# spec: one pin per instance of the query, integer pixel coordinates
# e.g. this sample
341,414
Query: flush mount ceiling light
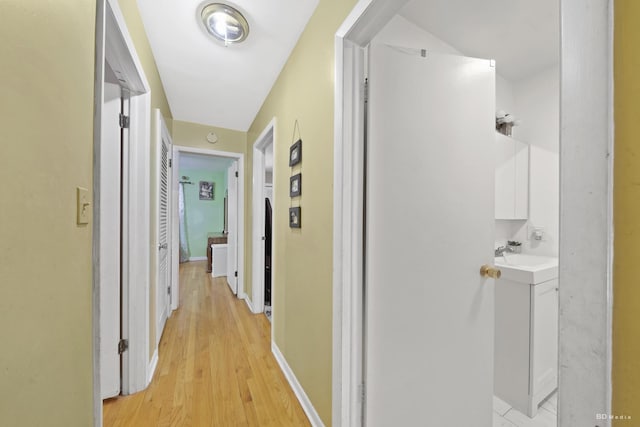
225,23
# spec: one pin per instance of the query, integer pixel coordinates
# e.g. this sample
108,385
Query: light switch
84,206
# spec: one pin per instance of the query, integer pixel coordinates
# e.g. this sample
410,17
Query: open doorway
208,206
521,95
263,205
121,212
417,213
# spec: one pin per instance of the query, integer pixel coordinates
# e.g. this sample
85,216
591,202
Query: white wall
537,104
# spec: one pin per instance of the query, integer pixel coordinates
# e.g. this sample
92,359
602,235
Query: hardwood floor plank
215,366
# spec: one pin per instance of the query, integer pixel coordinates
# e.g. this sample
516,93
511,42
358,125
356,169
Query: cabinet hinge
124,121
235,274
236,174
123,345
170,162
169,290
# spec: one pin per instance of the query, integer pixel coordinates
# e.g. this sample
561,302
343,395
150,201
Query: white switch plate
84,206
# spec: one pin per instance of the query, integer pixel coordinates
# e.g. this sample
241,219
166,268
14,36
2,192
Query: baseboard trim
308,408
246,299
152,367
197,258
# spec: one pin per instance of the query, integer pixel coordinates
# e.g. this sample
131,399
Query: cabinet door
505,177
521,180
512,178
545,337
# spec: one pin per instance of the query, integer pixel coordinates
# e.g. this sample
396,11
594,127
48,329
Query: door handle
490,271
163,246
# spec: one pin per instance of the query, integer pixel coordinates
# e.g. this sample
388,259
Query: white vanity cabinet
526,343
512,178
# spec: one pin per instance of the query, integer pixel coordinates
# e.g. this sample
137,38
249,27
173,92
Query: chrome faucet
501,250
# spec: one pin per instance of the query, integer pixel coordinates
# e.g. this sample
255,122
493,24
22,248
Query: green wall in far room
203,216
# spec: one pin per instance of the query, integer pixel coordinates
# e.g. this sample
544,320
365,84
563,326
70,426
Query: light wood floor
215,368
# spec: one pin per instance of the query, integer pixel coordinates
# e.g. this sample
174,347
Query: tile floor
505,416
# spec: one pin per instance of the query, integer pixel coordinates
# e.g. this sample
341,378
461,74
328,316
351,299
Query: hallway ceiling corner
209,83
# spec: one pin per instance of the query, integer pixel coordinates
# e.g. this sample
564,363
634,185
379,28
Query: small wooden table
214,239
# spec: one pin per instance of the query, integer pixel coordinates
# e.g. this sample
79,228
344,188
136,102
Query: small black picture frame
295,217
295,185
295,153
206,190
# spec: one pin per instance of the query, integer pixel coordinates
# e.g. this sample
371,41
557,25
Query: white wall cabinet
512,178
526,343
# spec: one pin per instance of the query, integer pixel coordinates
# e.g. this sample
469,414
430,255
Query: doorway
364,23
263,206
208,214
122,194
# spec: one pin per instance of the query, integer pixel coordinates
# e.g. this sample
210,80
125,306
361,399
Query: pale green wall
46,151
303,257
203,216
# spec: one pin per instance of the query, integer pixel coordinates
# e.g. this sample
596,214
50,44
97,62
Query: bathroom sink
524,268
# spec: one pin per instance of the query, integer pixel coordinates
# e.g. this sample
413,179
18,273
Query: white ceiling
204,162
523,36
208,83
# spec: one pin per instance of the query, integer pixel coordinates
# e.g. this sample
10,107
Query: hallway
215,368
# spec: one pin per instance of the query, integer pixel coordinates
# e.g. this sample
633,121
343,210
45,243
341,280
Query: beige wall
46,148
135,26
195,135
302,281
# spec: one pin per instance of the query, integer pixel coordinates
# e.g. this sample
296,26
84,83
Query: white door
109,230
163,291
430,226
232,237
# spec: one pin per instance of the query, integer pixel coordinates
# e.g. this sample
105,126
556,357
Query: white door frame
175,250
114,44
585,190
162,133
267,136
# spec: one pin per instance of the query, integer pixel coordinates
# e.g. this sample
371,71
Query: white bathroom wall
537,103
403,33
504,94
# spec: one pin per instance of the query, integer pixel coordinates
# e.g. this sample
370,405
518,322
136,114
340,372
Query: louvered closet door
163,297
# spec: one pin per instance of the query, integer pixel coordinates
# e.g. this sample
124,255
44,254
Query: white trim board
586,195
197,258
151,370
115,46
246,299
267,136
304,400
175,254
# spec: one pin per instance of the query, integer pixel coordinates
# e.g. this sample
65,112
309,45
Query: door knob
163,246
490,271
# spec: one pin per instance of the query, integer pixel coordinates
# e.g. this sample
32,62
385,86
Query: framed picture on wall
295,185
206,190
295,217
295,153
